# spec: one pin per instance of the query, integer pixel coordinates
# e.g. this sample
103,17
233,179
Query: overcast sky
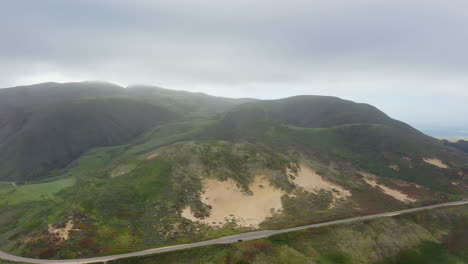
409,58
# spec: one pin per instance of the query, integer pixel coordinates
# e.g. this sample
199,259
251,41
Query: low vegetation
437,236
152,181
34,192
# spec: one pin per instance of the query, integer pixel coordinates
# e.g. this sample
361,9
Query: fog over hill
407,59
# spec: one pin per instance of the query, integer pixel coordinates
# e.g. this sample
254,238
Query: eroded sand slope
308,179
436,162
228,202
371,179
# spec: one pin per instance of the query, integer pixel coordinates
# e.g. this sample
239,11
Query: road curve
224,240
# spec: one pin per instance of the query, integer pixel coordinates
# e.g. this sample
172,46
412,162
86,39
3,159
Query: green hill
46,126
59,134
301,111
139,167
342,131
320,112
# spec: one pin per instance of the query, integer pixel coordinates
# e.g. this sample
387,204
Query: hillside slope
44,127
59,134
425,237
461,145
344,131
147,167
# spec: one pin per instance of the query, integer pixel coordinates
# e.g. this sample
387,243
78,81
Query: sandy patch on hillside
62,233
394,167
436,162
308,179
152,156
372,181
227,202
406,184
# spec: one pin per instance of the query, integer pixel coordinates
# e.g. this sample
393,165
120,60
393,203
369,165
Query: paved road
223,240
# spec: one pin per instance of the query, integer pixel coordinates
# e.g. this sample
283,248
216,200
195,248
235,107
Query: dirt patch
229,202
406,184
394,167
436,162
308,179
371,179
152,156
62,233
35,238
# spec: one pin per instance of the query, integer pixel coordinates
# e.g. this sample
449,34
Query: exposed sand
152,156
308,179
394,167
371,179
436,162
229,202
155,153
62,234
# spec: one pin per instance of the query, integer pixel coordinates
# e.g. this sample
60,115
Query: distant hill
460,144
44,127
307,112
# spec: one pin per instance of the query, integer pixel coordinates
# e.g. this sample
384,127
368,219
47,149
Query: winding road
224,240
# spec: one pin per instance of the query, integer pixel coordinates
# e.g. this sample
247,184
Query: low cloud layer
407,57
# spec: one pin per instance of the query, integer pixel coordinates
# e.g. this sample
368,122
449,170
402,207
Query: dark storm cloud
362,50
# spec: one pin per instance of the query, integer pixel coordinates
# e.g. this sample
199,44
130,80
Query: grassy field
5,185
10,262
34,192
